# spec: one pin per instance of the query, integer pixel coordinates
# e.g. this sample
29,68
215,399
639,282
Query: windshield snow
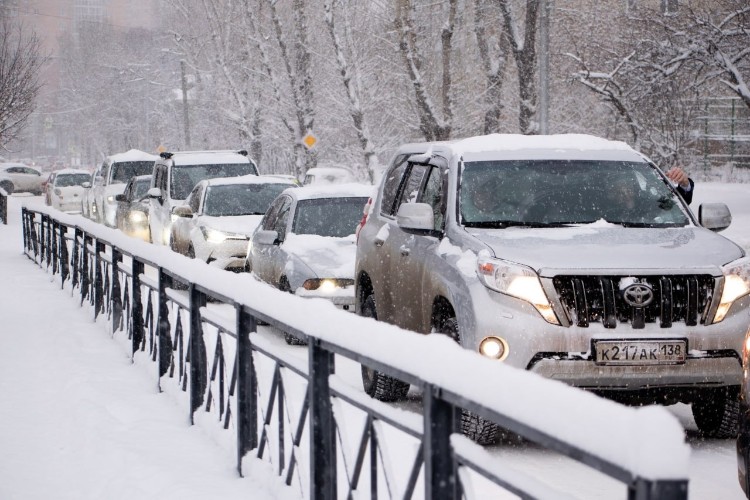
562,192
337,217
241,199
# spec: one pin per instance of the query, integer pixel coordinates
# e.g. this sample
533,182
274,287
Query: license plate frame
639,352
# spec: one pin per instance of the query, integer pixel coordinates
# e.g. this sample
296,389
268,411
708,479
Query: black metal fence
3,206
203,344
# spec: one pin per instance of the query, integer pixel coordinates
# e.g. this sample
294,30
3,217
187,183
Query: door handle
405,251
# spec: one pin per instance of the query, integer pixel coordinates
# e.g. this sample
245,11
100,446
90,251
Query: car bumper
565,353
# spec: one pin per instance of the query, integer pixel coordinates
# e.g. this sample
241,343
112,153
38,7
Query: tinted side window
283,218
270,218
433,196
413,183
194,199
392,183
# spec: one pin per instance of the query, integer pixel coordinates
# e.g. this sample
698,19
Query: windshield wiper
502,224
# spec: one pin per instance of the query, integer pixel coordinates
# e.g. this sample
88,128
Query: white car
175,176
219,216
328,175
20,178
109,180
306,244
66,189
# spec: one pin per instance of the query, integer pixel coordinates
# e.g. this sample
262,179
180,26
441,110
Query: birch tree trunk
494,69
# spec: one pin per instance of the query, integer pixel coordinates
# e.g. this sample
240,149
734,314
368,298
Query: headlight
517,281
137,217
110,199
736,285
215,237
327,285
173,217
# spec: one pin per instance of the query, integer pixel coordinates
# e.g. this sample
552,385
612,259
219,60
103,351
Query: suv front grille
598,299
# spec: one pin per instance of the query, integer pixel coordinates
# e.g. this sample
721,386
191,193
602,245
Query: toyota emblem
638,295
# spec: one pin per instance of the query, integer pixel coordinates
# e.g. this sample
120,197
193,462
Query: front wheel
476,428
376,384
288,337
717,412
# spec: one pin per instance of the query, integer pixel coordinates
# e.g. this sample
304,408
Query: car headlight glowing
136,217
110,199
736,285
517,281
216,237
327,285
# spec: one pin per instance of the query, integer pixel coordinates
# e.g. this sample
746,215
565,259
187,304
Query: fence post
116,294
85,275
98,279
643,489
247,387
163,338
439,466
136,307
322,425
198,365
64,264
3,206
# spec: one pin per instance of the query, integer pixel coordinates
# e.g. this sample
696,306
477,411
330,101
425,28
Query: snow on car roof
66,171
208,157
132,155
329,171
517,146
351,189
248,179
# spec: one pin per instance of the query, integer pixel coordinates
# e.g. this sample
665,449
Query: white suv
109,180
570,256
175,175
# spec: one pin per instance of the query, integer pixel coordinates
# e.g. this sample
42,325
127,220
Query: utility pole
185,115
544,15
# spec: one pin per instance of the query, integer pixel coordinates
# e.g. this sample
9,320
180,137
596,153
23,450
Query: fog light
494,348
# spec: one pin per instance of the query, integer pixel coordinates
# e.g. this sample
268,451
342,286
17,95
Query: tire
288,337
476,428
717,412
379,385
191,252
7,186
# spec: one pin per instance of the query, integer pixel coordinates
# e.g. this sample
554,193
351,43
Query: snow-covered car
131,216
109,180
65,189
570,256
305,244
328,175
20,178
175,176
218,217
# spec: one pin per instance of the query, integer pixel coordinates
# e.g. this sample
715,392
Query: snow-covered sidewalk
78,420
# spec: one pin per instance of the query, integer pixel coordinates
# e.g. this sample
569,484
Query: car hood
607,246
240,224
327,257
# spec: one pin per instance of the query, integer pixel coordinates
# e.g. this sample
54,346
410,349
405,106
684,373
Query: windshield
328,216
185,177
122,171
241,199
562,192
67,180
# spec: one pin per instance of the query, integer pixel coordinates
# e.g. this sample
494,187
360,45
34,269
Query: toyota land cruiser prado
570,256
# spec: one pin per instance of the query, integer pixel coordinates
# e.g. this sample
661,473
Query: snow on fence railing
197,325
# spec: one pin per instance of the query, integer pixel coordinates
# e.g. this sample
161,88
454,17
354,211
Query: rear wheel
288,337
717,412
7,186
379,385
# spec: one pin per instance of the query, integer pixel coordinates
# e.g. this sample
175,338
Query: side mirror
714,216
415,216
182,211
266,237
155,193
120,197
86,185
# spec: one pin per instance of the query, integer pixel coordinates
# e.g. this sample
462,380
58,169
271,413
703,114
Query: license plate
640,352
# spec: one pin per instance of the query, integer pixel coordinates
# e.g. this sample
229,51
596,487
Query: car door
185,230
259,251
159,209
412,251
277,257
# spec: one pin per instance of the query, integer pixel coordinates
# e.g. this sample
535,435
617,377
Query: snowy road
72,435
